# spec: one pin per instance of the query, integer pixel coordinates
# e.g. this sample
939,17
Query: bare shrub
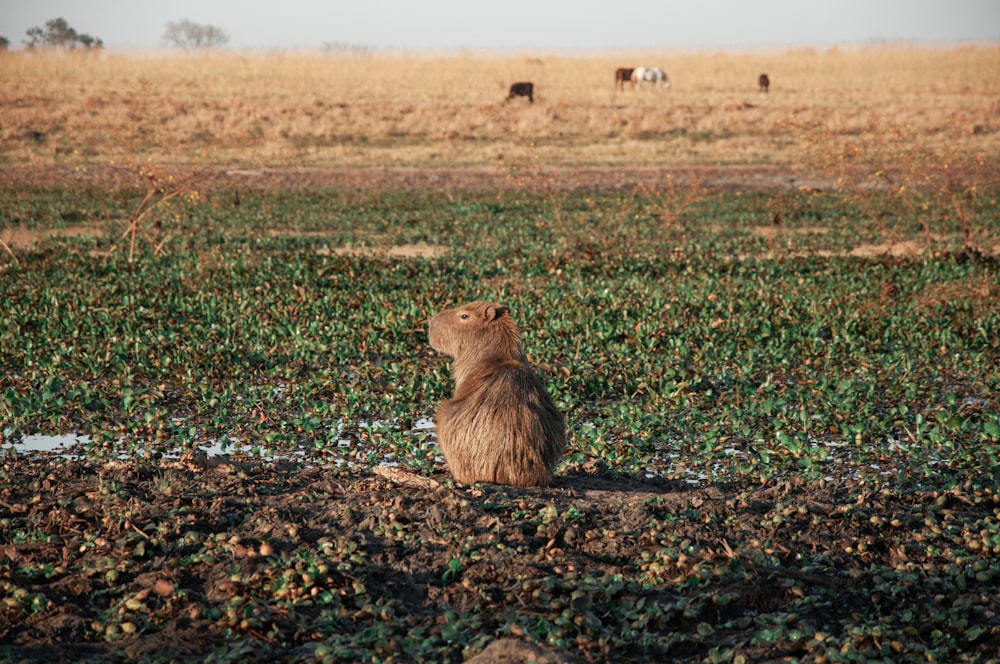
190,35
935,185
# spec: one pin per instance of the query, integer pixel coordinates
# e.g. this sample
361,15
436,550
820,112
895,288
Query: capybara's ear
494,311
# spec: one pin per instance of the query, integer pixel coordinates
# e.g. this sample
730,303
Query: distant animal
623,74
763,82
500,425
33,135
652,75
522,89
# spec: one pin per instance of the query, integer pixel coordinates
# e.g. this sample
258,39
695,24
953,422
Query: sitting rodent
500,425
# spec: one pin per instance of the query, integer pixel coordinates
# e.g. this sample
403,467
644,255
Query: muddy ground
170,561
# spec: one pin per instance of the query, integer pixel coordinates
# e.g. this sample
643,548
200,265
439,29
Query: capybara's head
475,329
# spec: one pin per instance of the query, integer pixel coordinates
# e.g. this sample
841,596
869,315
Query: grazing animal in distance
623,74
763,82
522,89
653,75
500,425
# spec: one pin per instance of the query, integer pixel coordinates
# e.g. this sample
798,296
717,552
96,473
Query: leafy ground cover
785,429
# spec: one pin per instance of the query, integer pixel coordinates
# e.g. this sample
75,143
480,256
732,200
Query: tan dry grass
280,109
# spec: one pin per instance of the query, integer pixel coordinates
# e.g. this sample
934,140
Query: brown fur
500,425
623,74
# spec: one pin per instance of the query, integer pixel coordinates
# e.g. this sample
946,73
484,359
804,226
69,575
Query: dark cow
764,82
522,89
623,74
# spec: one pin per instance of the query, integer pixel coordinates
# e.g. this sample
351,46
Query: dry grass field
343,110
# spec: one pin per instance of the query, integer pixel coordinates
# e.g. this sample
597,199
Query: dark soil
273,562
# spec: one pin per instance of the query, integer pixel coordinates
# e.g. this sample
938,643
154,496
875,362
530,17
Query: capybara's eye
464,316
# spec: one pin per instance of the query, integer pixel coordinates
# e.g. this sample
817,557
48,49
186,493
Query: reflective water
72,445
839,458
61,444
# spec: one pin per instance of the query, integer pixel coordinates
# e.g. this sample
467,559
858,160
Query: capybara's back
500,425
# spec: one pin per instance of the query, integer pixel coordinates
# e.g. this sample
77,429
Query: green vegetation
836,403
658,334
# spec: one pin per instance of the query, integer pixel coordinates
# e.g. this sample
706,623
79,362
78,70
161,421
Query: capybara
500,425
764,82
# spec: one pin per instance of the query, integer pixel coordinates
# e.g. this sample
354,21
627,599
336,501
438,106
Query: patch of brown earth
901,249
396,251
772,232
18,237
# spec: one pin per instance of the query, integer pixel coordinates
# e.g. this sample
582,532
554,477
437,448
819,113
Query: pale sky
518,24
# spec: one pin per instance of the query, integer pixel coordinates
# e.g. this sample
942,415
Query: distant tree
89,42
345,47
4,43
188,34
58,34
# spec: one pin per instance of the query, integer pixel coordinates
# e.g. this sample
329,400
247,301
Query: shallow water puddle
60,445
840,458
71,446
